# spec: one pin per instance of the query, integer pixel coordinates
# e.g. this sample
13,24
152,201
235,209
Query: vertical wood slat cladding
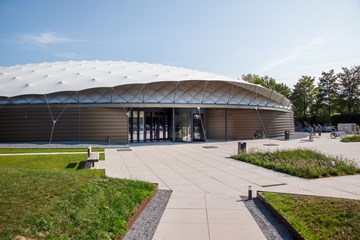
242,123
75,124
215,123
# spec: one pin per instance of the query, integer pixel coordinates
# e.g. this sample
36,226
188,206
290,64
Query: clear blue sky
283,39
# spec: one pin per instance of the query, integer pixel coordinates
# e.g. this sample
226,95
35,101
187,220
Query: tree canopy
303,97
268,82
349,88
334,93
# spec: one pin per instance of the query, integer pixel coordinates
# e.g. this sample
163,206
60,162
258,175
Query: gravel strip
146,224
269,225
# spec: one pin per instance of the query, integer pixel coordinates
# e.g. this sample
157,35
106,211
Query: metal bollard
89,151
287,135
250,193
241,147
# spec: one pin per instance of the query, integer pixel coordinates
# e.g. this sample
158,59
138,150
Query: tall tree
304,96
327,91
268,82
350,87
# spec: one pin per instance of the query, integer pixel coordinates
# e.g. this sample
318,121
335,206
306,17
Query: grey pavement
207,183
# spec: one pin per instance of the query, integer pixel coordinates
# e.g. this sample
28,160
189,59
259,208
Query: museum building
122,102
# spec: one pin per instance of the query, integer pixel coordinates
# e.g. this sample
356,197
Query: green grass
50,150
46,150
67,162
53,197
305,163
354,138
318,217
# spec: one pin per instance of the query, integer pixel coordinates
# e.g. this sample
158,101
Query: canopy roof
75,76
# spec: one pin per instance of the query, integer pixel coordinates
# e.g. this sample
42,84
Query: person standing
310,130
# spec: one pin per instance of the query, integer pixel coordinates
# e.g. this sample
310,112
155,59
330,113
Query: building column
226,137
173,125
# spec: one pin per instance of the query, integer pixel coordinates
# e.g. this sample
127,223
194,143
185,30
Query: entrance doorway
157,125
149,125
161,124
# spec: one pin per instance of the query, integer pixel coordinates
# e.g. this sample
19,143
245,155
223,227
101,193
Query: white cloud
46,38
298,52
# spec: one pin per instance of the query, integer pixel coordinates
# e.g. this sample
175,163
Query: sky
282,39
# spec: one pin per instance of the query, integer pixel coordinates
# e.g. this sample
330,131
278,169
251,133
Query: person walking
310,130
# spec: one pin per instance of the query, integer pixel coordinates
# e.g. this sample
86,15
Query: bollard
287,135
250,193
89,151
241,147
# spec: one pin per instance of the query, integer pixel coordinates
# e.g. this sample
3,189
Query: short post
250,193
287,135
241,147
89,151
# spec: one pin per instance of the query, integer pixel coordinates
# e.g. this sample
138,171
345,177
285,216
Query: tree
327,91
349,88
268,82
304,96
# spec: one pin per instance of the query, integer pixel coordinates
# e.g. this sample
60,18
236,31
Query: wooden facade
111,124
74,124
232,124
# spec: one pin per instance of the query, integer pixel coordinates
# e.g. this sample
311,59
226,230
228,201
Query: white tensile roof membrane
74,76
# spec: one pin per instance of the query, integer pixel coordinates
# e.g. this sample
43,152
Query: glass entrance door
137,127
149,126
198,129
183,127
156,125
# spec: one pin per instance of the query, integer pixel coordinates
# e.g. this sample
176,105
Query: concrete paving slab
184,216
230,216
235,231
181,231
206,182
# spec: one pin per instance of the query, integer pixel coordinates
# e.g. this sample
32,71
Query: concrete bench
92,157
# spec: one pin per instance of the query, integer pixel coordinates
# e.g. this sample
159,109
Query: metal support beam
226,136
173,125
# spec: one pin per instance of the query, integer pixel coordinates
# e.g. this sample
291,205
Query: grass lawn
318,217
354,138
305,163
51,150
53,197
46,150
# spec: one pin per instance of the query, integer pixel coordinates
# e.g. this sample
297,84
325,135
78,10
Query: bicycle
259,134
340,134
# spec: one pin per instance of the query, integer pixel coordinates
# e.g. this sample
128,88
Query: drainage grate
209,147
123,149
274,185
271,144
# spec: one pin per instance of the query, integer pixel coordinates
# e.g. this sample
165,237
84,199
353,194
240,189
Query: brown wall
75,124
97,124
215,122
242,123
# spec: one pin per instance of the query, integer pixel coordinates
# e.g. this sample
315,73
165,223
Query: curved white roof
52,77
25,83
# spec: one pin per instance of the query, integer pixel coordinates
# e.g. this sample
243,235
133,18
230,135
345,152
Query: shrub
354,138
304,163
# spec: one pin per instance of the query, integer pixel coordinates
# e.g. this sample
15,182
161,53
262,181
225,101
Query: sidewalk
207,183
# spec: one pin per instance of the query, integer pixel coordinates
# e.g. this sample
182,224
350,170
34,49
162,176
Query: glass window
183,126
141,126
135,126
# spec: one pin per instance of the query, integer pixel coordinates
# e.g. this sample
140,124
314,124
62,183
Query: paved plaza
207,183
